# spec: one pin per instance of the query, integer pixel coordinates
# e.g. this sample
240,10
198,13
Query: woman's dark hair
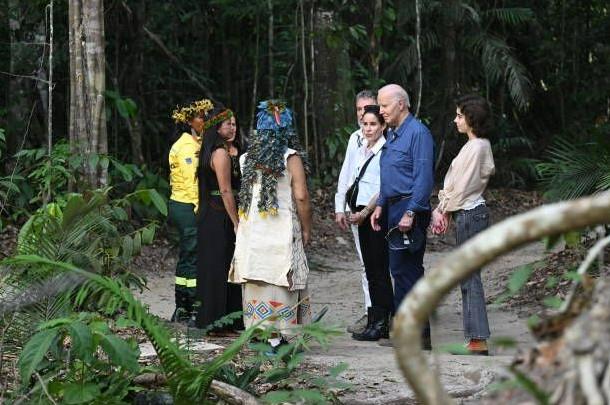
374,109
477,112
211,140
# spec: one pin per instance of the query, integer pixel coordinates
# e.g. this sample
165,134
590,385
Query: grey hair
398,93
366,94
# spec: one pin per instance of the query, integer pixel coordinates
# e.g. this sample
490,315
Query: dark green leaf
125,172
33,353
77,393
82,340
120,353
137,243
127,248
520,277
158,201
553,302
148,234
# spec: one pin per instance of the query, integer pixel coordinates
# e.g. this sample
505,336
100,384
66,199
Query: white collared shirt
370,181
347,176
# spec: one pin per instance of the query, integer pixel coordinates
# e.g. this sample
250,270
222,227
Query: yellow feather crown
187,113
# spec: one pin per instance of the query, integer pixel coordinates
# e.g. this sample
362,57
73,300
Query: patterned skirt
275,306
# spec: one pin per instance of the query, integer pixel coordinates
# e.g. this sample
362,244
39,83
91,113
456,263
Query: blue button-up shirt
407,165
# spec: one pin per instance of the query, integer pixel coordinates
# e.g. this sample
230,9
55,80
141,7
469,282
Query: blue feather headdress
273,136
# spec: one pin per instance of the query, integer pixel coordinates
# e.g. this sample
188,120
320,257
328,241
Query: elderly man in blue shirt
407,179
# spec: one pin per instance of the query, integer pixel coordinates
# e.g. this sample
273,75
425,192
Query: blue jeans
407,268
469,223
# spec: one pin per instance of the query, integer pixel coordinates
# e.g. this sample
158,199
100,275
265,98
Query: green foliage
187,382
87,230
87,368
573,169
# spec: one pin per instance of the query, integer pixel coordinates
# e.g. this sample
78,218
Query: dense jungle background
87,88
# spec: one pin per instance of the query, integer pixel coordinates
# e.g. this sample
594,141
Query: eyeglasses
397,240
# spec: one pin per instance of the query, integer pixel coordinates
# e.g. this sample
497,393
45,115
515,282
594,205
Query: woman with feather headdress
275,224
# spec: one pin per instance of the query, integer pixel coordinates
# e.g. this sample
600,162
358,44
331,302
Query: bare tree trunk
418,48
255,79
270,55
88,136
305,79
132,82
5,56
464,261
449,41
374,39
314,126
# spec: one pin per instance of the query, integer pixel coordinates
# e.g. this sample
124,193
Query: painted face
360,104
390,107
228,129
460,122
197,124
371,127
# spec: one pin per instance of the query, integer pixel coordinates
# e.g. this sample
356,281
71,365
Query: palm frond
510,15
501,65
572,170
187,382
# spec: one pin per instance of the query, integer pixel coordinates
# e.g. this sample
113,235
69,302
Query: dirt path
373,371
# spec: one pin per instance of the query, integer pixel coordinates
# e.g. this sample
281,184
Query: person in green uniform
184,201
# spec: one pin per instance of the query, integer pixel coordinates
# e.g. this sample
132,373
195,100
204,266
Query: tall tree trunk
418,48
133,72
88,136
333,86
306,82
255,79
270,55
5,58
314,127
375,39
449,41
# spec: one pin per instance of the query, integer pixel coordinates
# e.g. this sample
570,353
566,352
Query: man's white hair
396,92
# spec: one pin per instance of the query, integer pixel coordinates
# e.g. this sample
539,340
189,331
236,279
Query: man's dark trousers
406,267
182,216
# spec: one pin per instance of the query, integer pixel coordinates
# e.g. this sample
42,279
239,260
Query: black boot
378,327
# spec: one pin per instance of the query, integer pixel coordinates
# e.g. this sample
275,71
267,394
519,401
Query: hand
341,220
375,219
440,222
406,223
356,218
306,238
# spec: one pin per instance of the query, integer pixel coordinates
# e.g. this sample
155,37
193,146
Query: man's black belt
394,200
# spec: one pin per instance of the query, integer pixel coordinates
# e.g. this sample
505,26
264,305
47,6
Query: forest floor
373,371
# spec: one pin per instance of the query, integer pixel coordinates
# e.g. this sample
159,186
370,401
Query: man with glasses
346,178
406,166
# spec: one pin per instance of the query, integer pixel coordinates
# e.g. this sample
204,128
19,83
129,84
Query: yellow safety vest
183,162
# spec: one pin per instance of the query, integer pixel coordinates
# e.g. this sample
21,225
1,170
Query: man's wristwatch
410,213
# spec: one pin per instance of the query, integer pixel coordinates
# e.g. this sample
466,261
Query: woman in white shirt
462,199
373,245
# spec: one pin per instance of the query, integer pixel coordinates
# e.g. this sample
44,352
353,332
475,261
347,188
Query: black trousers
216,243
374,249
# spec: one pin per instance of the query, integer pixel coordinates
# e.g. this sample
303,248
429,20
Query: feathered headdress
274,134
187,113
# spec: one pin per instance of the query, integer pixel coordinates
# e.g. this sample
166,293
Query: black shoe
181,315
378,327
426,340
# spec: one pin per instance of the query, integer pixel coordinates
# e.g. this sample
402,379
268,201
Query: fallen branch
228,393
464,261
